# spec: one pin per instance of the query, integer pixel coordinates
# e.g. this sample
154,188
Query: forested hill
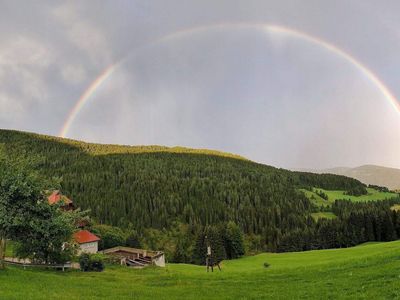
151,187
21,138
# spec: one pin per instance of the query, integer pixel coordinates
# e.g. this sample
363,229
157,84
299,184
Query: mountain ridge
105,149
368,174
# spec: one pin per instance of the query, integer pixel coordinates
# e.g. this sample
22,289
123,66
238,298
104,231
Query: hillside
368,271
18,137
332,196
154,187
369,174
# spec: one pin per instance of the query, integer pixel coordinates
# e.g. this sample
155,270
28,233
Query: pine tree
233,237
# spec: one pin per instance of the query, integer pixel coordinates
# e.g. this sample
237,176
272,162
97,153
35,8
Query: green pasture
340,195
369,271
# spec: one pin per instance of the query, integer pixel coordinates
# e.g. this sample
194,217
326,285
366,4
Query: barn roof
56,197
84,236
133,251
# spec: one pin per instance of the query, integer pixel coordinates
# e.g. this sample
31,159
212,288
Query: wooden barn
137,257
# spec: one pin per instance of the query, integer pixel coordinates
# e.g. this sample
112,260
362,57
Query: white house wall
88,247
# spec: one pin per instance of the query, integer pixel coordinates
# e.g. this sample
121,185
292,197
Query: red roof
84,236
56,196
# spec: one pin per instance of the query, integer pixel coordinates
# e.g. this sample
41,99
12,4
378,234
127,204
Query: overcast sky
275,98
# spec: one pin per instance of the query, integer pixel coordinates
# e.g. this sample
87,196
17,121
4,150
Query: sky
293,84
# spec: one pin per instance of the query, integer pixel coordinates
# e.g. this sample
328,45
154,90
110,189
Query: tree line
356,223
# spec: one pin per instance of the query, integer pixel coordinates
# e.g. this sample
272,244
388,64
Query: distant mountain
368,174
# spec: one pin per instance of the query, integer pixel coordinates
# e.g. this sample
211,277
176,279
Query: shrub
91,262
133,241
110,236
266,265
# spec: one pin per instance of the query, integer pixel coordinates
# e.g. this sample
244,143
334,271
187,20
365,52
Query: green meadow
340,195
369,271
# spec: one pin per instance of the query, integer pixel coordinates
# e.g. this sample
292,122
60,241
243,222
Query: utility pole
209,262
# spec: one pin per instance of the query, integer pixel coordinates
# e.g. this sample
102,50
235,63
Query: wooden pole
2,252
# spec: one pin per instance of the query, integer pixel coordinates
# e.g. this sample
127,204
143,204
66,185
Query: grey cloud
277,100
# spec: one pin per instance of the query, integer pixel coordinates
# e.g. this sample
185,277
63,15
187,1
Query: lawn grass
314,198
368,271
339,195
9,249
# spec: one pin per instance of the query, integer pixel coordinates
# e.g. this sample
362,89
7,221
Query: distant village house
87,241
56,197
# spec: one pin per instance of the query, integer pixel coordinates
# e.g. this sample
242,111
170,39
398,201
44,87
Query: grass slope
369,271
339,195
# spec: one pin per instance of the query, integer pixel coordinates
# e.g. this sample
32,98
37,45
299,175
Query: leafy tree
110,236
184,241
153,239
253,244
200,248
20,192
133,240
234,245
48,237
39,229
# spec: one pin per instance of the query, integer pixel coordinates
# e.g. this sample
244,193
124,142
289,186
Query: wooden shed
137,257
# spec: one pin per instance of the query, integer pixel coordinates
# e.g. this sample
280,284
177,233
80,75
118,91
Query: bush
133,241
110,236
91,262
266,265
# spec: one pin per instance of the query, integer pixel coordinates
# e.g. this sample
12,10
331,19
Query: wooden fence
27,263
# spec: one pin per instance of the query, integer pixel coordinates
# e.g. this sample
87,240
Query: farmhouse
137,257
88,242
56,197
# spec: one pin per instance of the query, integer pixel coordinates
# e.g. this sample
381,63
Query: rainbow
84,98
269,29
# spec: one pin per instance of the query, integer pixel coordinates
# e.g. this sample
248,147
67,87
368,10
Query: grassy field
370,271
10,249
339,195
